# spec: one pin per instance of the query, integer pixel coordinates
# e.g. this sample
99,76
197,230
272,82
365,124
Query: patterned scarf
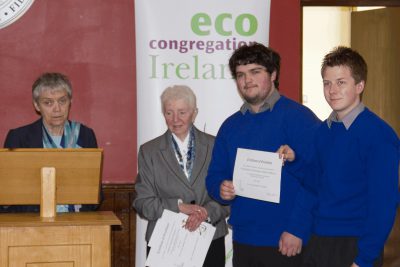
68,140
190,155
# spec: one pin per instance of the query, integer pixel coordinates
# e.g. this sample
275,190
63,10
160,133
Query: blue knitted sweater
354,187
256,222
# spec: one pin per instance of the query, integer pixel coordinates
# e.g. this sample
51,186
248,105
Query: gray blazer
161,182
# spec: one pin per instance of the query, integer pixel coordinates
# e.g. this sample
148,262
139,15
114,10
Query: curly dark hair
256,53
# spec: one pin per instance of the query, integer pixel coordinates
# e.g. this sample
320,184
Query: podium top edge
61,219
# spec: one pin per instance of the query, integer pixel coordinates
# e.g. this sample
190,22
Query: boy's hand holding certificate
257,174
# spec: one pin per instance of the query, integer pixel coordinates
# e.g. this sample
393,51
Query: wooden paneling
118,198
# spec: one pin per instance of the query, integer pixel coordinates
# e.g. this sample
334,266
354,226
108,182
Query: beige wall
323,29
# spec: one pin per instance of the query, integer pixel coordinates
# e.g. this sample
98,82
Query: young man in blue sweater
265,121
352,196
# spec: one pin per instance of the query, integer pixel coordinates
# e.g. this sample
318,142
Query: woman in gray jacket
172,171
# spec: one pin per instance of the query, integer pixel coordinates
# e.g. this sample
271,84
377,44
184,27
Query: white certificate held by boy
257,174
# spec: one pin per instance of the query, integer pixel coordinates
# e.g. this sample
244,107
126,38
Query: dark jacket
31,136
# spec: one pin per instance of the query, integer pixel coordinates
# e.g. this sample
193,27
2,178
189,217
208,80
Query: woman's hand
197,215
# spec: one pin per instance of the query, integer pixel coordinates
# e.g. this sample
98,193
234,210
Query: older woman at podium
172,171
52,96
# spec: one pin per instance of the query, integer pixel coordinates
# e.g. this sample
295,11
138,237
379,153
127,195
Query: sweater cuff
301,231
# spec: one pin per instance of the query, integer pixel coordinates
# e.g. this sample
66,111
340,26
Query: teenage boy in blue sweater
352,197
265,121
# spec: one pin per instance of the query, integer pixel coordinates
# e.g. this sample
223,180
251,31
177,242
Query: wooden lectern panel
78,174
70,176
56,256
71,239
82,246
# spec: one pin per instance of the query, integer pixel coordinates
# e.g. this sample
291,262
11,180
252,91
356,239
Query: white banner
189,42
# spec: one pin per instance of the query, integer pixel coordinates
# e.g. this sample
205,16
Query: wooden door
376,35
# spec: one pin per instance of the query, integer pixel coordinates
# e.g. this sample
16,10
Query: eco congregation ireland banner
189,42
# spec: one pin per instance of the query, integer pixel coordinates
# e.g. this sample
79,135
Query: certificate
257,174
174,246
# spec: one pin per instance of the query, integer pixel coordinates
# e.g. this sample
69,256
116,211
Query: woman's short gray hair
178,92
52,81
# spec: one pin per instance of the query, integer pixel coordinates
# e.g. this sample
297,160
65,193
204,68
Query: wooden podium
69,176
